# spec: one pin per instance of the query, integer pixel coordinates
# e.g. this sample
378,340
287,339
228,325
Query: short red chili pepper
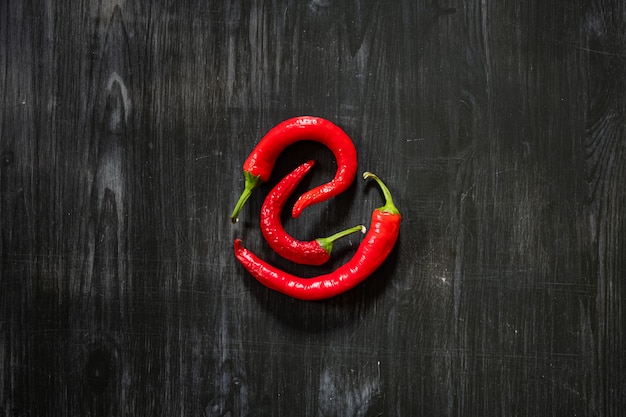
373,250
259,165
314,252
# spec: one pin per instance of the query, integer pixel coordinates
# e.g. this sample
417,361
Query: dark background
498,126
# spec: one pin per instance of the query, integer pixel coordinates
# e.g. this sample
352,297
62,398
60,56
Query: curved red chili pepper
259,165
373,250
314,252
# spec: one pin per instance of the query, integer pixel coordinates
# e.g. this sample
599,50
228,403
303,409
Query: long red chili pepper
314,252
372,251
259,165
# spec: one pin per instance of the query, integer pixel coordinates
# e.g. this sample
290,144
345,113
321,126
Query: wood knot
98,370
7,158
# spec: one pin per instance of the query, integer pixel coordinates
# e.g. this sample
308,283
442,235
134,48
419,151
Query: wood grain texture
498,126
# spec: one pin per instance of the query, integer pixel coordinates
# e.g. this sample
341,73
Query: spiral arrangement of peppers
371,253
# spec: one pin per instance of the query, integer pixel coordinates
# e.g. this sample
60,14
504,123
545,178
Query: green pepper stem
252,182
327,242
389,207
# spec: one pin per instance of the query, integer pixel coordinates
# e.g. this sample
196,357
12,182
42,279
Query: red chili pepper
259,165
314,252
372,252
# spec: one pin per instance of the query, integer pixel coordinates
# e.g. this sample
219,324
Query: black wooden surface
498,125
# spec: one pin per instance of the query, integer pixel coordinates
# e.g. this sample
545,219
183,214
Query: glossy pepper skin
260,163
314,252
372,252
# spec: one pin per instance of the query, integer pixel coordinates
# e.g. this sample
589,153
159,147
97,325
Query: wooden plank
497,125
